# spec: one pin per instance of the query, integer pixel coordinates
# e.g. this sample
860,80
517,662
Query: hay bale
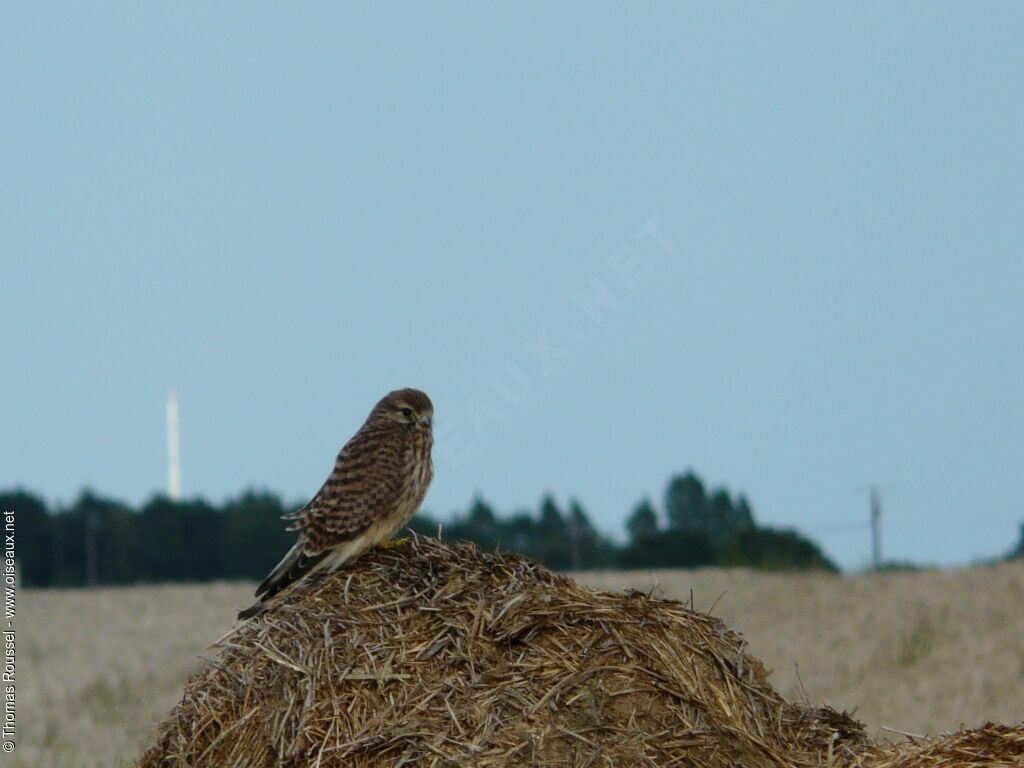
437,654
989,745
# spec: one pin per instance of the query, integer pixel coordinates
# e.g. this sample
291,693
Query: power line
837,527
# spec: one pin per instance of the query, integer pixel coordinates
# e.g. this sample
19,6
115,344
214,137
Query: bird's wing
293,566
365,485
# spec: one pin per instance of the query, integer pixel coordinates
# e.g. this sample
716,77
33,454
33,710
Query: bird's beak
426,420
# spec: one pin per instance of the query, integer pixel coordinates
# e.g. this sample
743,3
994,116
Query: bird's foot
394,543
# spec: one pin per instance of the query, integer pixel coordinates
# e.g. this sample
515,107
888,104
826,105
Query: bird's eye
407,412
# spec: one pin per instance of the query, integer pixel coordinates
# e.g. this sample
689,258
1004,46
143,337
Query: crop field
912,652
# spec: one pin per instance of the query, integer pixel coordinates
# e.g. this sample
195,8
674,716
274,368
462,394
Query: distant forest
98,540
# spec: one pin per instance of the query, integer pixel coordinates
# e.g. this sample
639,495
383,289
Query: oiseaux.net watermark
598,295
10,593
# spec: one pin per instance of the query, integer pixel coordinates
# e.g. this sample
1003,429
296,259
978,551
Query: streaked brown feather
379,479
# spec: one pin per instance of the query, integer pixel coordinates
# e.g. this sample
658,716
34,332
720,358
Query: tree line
98,540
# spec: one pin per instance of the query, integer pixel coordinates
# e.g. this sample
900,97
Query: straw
437,654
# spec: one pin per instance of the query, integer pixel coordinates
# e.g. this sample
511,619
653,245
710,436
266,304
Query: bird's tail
286,574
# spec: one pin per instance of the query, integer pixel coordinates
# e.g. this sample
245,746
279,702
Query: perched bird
379,480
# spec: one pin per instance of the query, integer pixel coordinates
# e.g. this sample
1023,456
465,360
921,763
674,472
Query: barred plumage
379,480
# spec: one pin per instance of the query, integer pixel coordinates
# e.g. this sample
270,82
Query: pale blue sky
283,211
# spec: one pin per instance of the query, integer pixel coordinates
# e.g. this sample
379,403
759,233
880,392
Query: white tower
173,456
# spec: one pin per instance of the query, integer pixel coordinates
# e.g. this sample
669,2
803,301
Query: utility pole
58,547
92,525
876,528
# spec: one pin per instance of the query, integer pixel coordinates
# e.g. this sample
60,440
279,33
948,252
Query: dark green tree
483,524
776,549
178,541
255,536
553,543
245,537
104,525
69,536
480,525
642,522
423,524
742,518
669,549
33,530
1018,551
686,503
520,534
718,518
587,548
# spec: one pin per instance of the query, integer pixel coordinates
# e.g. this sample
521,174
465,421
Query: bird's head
409,407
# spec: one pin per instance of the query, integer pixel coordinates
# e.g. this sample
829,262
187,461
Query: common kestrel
378,482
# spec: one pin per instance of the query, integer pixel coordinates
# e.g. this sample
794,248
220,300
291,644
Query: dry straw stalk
437,654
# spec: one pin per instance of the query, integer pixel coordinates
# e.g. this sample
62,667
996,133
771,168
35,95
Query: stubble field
915,652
